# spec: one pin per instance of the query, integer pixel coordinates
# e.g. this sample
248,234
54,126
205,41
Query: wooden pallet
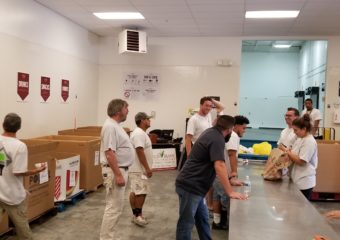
61,206
321,196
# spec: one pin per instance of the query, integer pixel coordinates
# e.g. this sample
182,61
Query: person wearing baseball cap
140,171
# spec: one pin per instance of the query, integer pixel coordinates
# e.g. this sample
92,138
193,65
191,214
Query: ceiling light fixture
119,15
272,14
281,45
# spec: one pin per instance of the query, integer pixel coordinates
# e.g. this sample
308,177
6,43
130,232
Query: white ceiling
183,18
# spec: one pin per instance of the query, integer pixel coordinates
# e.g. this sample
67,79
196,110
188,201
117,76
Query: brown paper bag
277,161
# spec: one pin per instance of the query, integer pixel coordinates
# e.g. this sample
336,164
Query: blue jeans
192,211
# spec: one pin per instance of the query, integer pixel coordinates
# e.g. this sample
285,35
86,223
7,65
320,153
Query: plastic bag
263,148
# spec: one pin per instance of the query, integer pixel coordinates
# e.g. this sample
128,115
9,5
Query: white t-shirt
139,138
115,138
12,191
287,137
198,124
232,144
315,114
305,176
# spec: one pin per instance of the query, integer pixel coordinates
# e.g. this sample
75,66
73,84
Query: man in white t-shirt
117,155
14,161
287,136
140,171
220,199
315,116
200,121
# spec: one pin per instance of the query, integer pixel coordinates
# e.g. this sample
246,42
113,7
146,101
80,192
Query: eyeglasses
288,115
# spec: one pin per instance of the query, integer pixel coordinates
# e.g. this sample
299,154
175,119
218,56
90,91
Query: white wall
268,81
187,70
187,67
332,98
37,41
312,72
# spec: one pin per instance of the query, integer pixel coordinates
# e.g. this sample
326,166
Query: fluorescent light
281,45
119,15
272,14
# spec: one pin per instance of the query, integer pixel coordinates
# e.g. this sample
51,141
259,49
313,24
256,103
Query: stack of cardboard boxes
40,187
88,149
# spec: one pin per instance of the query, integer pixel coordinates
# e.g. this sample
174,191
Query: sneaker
140,221
219,226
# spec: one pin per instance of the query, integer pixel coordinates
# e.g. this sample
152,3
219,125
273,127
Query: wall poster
23,86
141,86
65,89
45,86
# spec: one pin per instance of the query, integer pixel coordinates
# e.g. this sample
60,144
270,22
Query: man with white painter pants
117,154
140,170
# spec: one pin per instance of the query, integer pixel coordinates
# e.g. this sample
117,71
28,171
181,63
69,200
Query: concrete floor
83,220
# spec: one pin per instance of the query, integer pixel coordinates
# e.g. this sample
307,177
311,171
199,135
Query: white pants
114,203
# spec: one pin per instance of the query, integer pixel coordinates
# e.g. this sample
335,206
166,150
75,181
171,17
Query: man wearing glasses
287,136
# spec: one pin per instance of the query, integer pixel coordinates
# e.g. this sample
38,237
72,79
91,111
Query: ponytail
303,122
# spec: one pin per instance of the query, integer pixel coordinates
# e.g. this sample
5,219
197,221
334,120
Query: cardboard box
67,176
94,128
327,173
4,223
83,131
76,132
88,149
40,186
87,131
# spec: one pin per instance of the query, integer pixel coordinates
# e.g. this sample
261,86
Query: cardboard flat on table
88,148
4,223
40,198
67,176
327,173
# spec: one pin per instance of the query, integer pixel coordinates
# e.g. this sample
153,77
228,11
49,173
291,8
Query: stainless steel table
274,210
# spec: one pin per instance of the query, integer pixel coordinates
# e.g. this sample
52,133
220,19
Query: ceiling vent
132,41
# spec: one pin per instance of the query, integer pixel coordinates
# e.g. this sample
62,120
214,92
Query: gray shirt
115,138
198,172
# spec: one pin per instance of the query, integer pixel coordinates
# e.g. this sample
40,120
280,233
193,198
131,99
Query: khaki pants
17,213
114,203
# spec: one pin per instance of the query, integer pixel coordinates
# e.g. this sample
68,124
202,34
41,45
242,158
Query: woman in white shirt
304,155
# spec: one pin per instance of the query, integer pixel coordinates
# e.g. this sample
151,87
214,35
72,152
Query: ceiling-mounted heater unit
132,41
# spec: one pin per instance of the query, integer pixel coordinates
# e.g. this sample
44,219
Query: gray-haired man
117,154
